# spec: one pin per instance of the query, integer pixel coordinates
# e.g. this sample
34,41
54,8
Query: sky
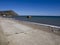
32,7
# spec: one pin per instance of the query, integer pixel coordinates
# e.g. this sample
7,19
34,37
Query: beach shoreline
28,33
44,27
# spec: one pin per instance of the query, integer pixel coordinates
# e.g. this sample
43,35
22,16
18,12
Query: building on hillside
8,13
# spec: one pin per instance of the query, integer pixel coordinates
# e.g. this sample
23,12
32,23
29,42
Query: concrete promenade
20,34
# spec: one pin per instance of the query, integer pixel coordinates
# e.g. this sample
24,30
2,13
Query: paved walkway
19,34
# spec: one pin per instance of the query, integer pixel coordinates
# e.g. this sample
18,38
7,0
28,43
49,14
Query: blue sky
32,7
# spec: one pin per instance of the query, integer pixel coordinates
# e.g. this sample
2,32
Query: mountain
8,13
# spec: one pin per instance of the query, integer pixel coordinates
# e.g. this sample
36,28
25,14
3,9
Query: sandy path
19,34
3,39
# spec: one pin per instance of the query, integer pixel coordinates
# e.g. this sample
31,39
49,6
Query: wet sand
18,33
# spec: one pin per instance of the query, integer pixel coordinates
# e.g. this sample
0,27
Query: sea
50,20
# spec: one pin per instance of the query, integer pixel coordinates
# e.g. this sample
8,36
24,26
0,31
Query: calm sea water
51,20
